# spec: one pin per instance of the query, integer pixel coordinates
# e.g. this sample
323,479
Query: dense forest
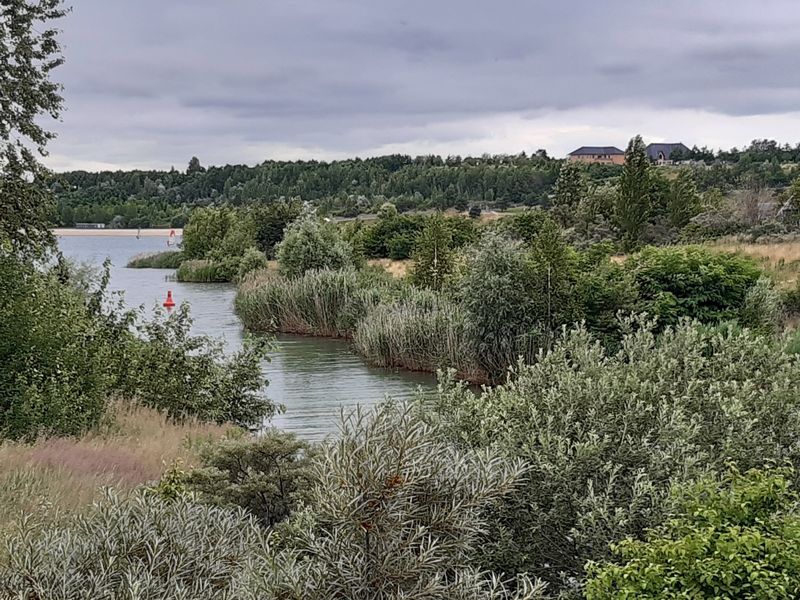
353,186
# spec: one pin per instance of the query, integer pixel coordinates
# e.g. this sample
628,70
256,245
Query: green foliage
169,259
270,221
55,377
310,244
683,200
206,271
191,376
269,475
324,303
633,204
31,51
434,259
397,512
252,260
570,190
738,537
205,231
422,331
606,435
387,211
692,281
391,237
763,308
135,547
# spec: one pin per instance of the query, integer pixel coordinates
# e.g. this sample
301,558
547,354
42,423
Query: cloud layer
150,83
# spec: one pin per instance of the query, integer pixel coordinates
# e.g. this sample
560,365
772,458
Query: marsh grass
202,271
321,303
169,259
420,332
781,260
133,446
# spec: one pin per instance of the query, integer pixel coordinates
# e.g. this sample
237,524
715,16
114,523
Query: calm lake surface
312,377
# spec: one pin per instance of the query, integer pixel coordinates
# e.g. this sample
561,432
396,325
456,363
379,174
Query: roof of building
653,150
583,150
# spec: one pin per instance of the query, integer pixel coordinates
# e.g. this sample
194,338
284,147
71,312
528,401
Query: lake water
312,377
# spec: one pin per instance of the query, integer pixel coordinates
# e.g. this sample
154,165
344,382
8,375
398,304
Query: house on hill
610,155
661,153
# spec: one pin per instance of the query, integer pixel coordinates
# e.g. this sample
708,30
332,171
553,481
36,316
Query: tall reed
169,259
421,332
322,303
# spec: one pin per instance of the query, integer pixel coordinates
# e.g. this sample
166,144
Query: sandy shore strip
72,232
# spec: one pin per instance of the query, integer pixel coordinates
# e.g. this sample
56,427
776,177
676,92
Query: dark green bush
268,475
691,281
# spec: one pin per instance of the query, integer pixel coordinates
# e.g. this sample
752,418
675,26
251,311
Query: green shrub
191,376
169,259
607,435
392,236
252,260
420,332
323,303
310,244
763,307
734,538
434,259
55,376
269,475
205,231
135,547
691,281
397,512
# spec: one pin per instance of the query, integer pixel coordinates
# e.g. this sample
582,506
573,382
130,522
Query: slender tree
633,200
570,190
29,51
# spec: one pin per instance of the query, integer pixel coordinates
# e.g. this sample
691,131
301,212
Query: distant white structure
90,225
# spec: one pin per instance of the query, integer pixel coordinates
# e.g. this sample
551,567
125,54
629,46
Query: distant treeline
349,187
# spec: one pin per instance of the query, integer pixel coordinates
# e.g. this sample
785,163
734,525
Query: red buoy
169,302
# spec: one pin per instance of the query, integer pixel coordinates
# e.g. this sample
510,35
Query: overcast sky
149,83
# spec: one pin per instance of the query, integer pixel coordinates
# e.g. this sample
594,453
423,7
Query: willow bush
606,435
398,512
323,303
421,332
136,546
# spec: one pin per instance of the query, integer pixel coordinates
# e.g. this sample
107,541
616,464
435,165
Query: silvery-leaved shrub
397,512
137,546
606,435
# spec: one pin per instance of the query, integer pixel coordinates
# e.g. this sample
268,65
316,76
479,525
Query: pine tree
633,201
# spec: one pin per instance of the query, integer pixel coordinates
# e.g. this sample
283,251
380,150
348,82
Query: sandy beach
64,232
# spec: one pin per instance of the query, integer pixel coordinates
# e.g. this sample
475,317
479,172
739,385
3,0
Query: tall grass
169,259
322,303
420,332
202,271
132,447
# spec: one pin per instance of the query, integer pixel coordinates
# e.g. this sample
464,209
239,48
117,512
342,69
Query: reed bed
202,271
420,332
320,303
169,259
66,474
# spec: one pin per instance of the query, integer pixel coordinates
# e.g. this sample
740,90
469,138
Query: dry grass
396,268
782,260
68,474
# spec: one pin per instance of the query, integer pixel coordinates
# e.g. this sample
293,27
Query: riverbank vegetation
640,439
169,259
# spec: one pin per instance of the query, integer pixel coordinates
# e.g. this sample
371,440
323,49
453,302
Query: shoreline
74,232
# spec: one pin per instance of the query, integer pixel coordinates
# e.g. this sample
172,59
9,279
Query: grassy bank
169,259
132,447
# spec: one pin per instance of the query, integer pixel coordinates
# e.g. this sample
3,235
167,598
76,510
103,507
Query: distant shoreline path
72,232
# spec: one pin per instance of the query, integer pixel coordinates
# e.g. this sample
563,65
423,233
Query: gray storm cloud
153,82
